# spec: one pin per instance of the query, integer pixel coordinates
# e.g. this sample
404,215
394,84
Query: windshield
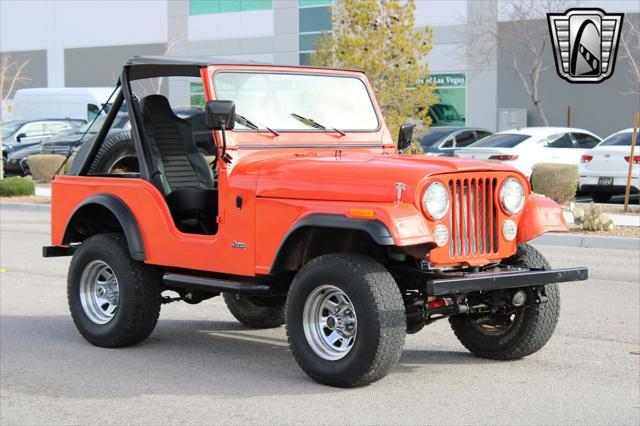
499,141
297,102
10,128
619,139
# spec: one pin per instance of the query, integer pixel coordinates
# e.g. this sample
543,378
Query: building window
314,16
196,94
451,90
204,7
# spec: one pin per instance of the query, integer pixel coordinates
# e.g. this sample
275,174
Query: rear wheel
515,334
255,312
345,320
114,300
601,197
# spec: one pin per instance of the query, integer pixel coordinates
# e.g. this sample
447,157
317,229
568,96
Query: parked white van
78,103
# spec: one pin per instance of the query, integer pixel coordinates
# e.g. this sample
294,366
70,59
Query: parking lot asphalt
201,366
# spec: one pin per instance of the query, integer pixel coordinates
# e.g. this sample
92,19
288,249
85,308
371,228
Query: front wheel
114,300
345,320
515,334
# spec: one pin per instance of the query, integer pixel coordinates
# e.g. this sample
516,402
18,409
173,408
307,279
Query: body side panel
164,244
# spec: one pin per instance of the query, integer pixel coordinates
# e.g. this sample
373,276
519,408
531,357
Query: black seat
184,176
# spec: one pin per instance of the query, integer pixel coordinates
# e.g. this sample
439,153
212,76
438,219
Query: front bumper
472,282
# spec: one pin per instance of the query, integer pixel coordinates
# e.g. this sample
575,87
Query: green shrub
13,186
44,166
557,181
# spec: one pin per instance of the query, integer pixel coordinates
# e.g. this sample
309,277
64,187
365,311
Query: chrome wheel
99,292
330,322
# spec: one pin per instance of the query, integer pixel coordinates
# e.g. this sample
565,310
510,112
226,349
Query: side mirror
405,137
20,136
220,115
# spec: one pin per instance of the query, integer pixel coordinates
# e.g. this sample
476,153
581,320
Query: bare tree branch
524,37
630,43
175,39
11,76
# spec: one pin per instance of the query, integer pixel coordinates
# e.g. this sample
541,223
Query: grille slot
472,217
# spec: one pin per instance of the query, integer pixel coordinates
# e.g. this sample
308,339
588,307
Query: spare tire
116,155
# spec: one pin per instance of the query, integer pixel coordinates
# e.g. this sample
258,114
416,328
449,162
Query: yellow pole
633,147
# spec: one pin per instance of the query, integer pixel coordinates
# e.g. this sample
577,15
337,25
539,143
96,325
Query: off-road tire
139,286
532,328
252,313
117,146
381,326
601,197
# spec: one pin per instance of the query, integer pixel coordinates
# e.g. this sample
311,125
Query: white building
83,43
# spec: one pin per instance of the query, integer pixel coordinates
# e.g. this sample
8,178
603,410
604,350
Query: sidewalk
44,191
618,219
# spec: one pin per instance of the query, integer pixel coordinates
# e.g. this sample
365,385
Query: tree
525,39
11,77
379,38
630,49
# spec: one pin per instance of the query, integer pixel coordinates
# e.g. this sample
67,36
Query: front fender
407,225
540,215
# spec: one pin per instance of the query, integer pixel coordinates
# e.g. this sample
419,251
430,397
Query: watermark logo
585,43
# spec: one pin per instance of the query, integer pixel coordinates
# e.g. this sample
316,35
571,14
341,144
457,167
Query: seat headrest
156,106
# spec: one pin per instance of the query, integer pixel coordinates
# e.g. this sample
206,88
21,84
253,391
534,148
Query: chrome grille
472,217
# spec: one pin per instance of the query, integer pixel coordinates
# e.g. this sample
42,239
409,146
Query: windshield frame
311,72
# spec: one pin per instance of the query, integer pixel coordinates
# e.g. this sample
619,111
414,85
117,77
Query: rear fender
540,215
121,212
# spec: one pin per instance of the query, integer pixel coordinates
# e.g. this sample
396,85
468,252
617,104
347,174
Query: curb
588,241
14,205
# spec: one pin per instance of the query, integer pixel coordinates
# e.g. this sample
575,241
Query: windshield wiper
248,123
313,123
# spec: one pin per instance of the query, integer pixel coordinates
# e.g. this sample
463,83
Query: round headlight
436,200
512,196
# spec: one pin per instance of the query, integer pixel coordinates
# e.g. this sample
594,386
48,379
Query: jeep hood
367,177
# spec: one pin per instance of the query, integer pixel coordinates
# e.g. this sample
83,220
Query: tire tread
542,319
386,302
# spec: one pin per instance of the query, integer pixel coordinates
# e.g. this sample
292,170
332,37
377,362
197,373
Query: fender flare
124,216
376,229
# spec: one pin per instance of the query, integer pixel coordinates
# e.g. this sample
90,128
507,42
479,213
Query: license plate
605,181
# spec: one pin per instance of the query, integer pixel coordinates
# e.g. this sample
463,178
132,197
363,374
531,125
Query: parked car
78,103
16,161
442,141
64,143
526,147
21,135
604,169
310,225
